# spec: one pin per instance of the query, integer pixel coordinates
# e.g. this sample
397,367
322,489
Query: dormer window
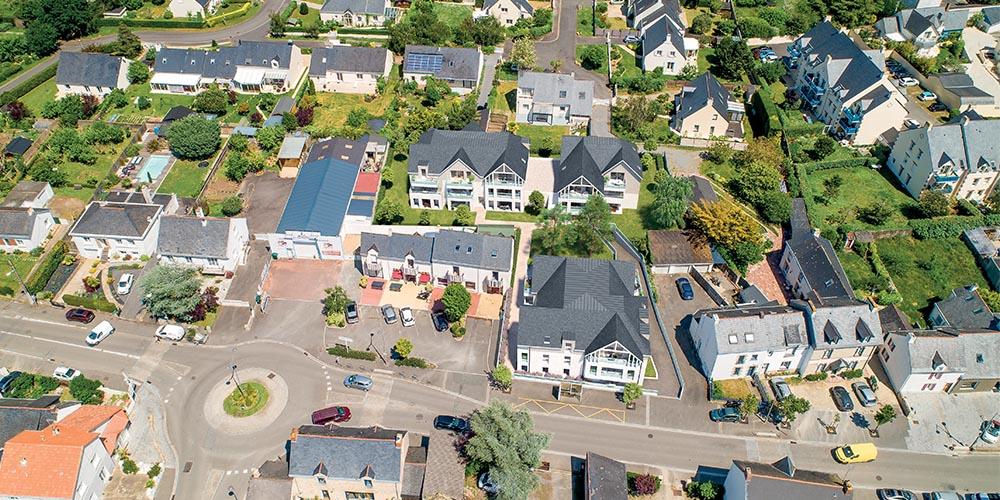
733,338
748,337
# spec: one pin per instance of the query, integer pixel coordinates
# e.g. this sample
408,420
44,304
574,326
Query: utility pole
24,288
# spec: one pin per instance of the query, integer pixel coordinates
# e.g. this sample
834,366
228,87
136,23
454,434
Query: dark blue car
684,288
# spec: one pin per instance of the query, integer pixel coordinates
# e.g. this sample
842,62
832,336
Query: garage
679,252
305,250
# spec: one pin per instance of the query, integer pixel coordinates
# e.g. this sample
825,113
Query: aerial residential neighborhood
511,249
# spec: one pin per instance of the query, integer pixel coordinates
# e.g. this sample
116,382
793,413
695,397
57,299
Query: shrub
403,347
37,280
816,377
457,330
642,484
502,376
413,362
344,352
456,300
232,206
852,374
90,302
86,391
154,470
128,465
950,227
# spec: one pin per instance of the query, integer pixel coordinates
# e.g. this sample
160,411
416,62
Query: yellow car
856,453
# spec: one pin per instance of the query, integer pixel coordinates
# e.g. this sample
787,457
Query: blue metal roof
361,207
320,197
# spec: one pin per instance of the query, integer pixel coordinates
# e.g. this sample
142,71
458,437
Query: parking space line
585,411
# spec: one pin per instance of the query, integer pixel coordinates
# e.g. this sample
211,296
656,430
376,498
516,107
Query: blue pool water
153,168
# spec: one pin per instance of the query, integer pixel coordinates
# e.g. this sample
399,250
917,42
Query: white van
100,332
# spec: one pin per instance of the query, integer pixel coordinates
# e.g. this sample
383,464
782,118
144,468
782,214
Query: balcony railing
626,363
946,178
578,195
455,277
498,195
616,184
502,182
459,195
493,286
853,117
848,127
459,183
418,181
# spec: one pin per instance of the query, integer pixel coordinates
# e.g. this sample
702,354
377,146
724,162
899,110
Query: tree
421,26
45,169
232,206
670,202
502,376
171,291
269,138
631,393
734,59
723,223
71,18
702,490
143,102
483,31
388,212
42,37
277,25
505,443
211,100
522,54
876,214
127,44
238,143
237,167
823,147
403,347
16,111
933,203
552,233
103,133
633,113
85,390
719,152
456,300
194,137
754,181
462,112
425,218
991,298
536,202
748,405
775,207
702,24
884,415
116,99
831,187
303,8
593,57
762,150
304,116
464,216
335,301
771,72
593,224
792,406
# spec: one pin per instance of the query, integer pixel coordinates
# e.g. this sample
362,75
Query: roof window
493,253
748,337
468,249
733,338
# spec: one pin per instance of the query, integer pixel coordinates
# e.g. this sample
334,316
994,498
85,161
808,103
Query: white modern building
508,12
349,70
248,67
664,46
737,342
944,360
109,230
553,99
193,8
24,229
591,165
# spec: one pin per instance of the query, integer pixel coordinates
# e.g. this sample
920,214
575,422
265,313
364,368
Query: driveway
560,45
490,63
294,279
133,306
941,421
676,315
266,196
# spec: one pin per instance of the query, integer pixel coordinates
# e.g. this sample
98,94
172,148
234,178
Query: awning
425,278
249,76
175,79
397,274
276,75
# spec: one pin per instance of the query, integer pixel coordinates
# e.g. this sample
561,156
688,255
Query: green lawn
398,192
8,280
511,216
150,11
311,17
632,222
861,187
79,174
161,103
184,178
537,135
628,63
40,95
452,15
585,21
704,53
721,172
332,108
506,98
250,400
604,254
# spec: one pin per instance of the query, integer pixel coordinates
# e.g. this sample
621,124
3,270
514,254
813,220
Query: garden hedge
799,130
950,227
98,303
362,31
344,352
860,162
153,23
36,281
28,85
764,116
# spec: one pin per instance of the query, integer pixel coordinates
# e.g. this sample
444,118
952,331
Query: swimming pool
153,168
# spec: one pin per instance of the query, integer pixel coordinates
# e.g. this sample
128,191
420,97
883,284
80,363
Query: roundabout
249,408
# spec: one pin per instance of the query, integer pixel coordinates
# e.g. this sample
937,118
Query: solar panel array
430,63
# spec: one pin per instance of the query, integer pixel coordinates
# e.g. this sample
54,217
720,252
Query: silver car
781,388
864,393
358,382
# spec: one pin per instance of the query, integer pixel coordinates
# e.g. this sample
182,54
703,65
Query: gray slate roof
991,16
522,5
347,59
659,32
604,479
967,144
707,91
559,90
974,352
782,481
774,327
17,415
222,63
817,258
455,63
397,246
838,61
483,251
588,301
964,308
88,68
483,152
320,197
194,237
119,196
345,453
445,469
373,7
23,192
103,219
591,156
962,85
845,323
18,223
18,146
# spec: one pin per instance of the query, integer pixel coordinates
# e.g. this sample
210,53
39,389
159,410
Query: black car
841,398
6,381
724,414
684,288
440,322
937,106
80,315
389,314
351,312
450,423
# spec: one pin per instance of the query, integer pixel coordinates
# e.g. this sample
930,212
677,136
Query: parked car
684,288
937,107
946,495
351,313
991,431
724,414
841,398
891,494
855,453
781,388
335,414
80,315
630,39
450,423
911,123
170,332
100,332
440,322
927,95
358,382
487,484
125,283
908,81
389,314
65,373
407,316
864,393
983,496
6,381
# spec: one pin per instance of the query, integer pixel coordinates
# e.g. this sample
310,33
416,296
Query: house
604,478
290,153
17,147
942,360
350,70
28,194
69,459
608,166
664,46
844,86
449,168
508,12
369,151
641,12
960,159
24,229
399,256
355,12
810,264
270,482
734,342
553,99
247,67
193,8
445,471
90,73
990,23
459,67
355,462
925,27
843,334
213,245
117,230
780,480
481,262
675,251
118,13
963,309
583,319
18,415
706,110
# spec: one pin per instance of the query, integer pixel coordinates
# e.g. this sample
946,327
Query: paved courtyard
302,279
941,421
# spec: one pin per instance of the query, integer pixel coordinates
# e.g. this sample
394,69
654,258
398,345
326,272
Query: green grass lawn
150,11
604,254
628,63
585,21
251,400
40,95
721,172
332,108
8,280
632,222
311,17
184,178
861,187
452,15
704,53
603,69
537,134
161,103
511,216
506,98
79,173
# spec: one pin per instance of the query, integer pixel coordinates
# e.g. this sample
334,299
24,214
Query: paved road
561,43
254,28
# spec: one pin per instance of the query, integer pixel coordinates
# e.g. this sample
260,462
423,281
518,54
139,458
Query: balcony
812,92
494,181
423,182
853,117
616,362
849,128
501,195
458,183
575,195
493,286
944,179
455,278
614,184
459,195
373,269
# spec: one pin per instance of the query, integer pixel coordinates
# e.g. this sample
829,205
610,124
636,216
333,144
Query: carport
675,252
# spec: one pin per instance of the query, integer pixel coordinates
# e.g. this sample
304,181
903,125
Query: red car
80,315
333,414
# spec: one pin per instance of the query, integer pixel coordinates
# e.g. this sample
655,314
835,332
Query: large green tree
733,57
671,200
421,26
593,224
754,181
504,442
42,38
71,18
553,231
194,137
212,100
456,300
171,291
138,72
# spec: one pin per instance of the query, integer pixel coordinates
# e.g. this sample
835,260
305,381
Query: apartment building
706,110
590,165
734,342
553,99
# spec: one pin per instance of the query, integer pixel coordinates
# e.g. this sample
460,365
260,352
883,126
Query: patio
406,294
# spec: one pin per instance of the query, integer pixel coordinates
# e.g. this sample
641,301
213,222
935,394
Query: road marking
15,353
71,344
550,407
45,321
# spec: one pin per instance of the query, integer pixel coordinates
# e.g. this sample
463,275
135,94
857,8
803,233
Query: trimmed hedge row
37,281
861,162
799,130
153,23
98,303
344,352
362,31
28,85
950,227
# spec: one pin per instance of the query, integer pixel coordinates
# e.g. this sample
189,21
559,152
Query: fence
707,143
212,171
709,289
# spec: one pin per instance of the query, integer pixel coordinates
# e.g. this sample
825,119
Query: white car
65,373
911,123
103,330
406,314
908,81
170,332
125,283
991,431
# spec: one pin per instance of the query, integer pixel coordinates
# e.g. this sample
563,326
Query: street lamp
233,377
232,492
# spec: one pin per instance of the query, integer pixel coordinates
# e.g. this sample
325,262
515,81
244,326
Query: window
562,94
321,480
326,494
355,495
524,356
860,351
748,337
928,387
582,95
736,371
340,76
740,360
545,369
821,367
565,372
359,76
753,357
567,360
892,345
733,338
524,368
696,127
368,483
786,365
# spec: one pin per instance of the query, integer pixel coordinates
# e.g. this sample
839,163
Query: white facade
351,82
99,92
610,364
306,245
246,80
895,358
43,222
474,278
670,58
459,184
621,191
756,351
92,247
382,266
238,241
191,8
508,12
96,468
735,485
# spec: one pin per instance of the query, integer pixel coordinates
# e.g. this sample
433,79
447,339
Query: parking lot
675,314
939,422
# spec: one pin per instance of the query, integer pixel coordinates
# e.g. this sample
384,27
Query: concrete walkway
490,62
276,401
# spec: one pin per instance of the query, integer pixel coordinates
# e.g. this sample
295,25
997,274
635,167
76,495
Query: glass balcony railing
459,195
853,117
418,181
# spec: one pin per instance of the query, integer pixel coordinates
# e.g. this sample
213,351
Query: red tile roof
43,463
90,418
367,183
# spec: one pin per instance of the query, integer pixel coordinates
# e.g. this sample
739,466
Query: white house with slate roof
640,12
945,360
213,245
553,99
508,12
597,165
665,46
925,27
248,67
355,12
90,73
705,109
192,8
809,262
961,159
351,70
481,262
843,333
459,67
397,256
583,319
24,229
844,86
115,230
734,342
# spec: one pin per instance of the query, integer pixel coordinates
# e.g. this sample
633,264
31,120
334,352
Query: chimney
146,194
399,440
24,461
